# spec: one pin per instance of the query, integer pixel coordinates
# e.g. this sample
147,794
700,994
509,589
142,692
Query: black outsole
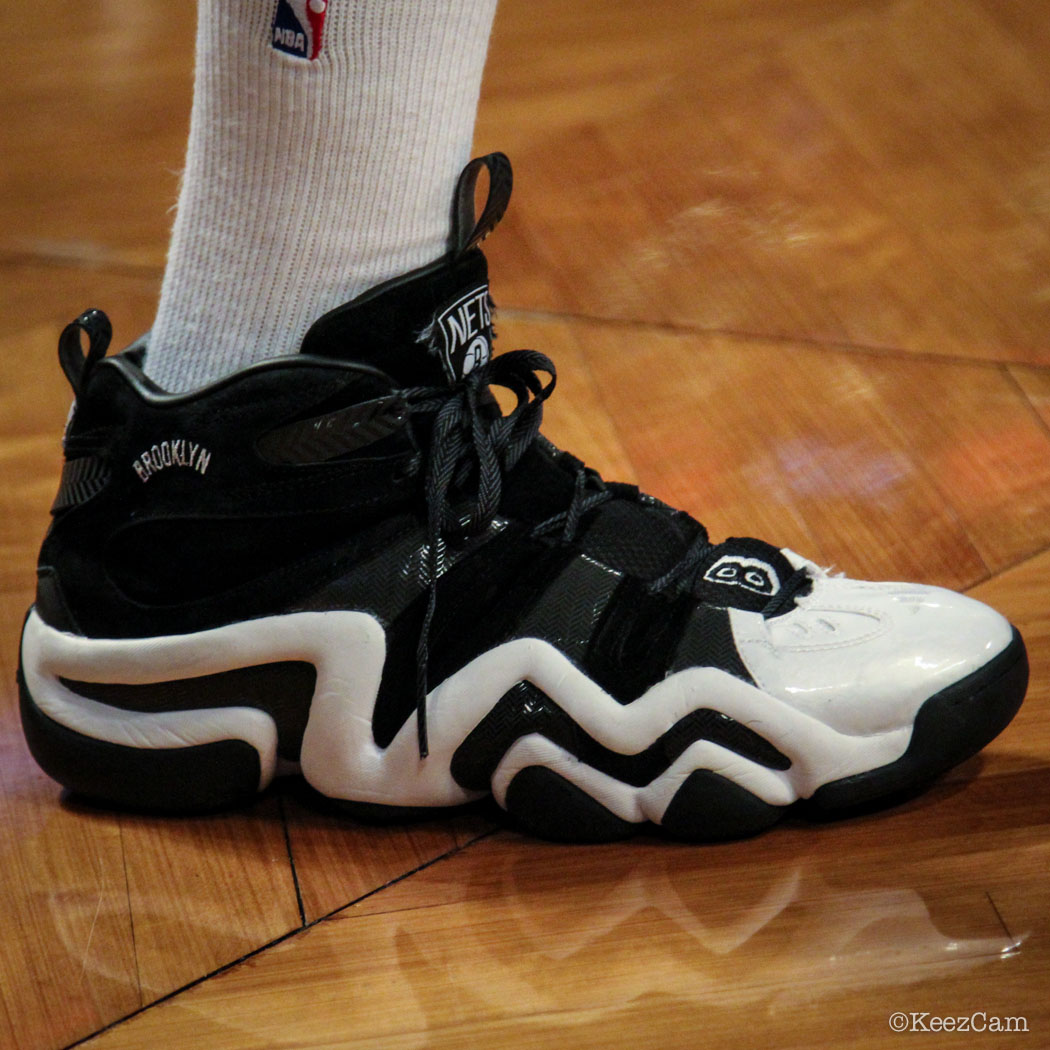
178,780
546,804
710,808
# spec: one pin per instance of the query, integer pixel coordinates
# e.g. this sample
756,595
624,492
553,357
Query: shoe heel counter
70,578
69,575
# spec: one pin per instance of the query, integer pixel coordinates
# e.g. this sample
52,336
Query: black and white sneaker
353,563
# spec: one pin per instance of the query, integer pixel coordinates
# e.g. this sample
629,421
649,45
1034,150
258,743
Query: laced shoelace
473,446
799,583
469,437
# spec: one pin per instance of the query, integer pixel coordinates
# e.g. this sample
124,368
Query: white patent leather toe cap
863,657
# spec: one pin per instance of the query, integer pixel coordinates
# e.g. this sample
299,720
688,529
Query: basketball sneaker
356,563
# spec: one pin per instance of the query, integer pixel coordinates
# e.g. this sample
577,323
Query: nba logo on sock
298,27
464,329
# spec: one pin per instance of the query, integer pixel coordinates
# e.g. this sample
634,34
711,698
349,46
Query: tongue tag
463,331
468,232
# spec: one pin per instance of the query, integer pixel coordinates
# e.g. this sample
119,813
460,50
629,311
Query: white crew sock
309,181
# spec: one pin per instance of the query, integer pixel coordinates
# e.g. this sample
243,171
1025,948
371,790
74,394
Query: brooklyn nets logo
464,332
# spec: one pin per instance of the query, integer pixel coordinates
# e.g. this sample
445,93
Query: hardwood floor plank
1035,382
338,860
205,891
982,450
521,943
68,962
957,154
1022,897
829,475
798,170
95,177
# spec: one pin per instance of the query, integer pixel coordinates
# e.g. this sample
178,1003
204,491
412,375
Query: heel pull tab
76,364
466,232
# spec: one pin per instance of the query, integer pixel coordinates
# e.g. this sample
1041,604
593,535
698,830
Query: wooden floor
793,260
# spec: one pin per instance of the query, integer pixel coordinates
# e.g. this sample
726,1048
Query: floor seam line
1014,942
805,341
291,862
274,942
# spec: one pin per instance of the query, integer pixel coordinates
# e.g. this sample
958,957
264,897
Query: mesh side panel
635,539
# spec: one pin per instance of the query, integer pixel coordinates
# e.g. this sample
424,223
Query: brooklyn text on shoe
353,564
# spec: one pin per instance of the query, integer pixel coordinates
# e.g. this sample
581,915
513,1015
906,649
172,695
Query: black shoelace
473,446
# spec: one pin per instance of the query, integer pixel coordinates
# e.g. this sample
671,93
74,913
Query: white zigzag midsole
339,754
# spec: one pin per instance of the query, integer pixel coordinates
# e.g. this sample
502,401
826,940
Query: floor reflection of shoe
353,562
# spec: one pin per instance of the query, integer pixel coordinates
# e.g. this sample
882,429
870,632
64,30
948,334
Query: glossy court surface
793,261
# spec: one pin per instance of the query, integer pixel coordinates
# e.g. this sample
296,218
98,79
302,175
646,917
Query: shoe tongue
743,573
427,328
